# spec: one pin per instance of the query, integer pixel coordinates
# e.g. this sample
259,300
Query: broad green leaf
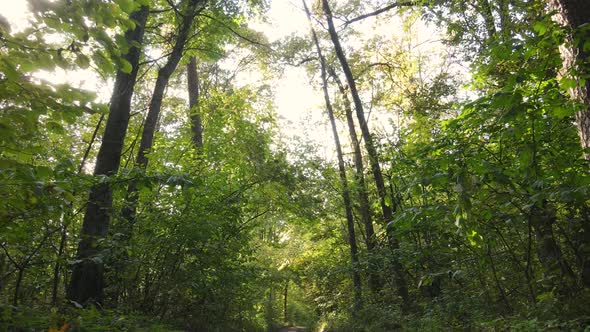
125,66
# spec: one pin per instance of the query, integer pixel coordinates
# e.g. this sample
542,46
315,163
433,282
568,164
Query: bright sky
297,101
299,106
14,11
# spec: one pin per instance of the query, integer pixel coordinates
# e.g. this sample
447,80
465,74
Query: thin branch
173,6
87,151
381,10
160,11
17,265
255,42
382,64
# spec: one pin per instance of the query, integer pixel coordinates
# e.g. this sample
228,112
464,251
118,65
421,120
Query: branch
159,11
245,223
381,10
255,42
382,64
173,6
17,265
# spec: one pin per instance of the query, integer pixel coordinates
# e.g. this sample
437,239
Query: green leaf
561,111
125,66
55,127
103,63
82,61
387,200
9,70
567,83
127,6
540,27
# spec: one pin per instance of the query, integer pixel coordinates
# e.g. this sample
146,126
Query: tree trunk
356,278
67,215
147,136
193,101
400,277
19,279
363,194
572,14
548,250
86,282
57,267
285,301
488,18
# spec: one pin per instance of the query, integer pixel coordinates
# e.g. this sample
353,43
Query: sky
299,105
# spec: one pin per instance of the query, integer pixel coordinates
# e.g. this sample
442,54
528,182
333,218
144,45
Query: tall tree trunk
193,102
363,193
60,252
398,271
542,218
67,215
285,301
356,278
147,136
19,279
86,282
573,14
488,17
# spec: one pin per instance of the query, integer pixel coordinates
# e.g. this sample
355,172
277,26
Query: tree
373,158
185,16
86,284
193,96
363,194
341,171
575,16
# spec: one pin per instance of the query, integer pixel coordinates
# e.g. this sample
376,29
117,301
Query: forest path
293,329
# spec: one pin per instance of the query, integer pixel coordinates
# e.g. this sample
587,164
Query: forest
439,183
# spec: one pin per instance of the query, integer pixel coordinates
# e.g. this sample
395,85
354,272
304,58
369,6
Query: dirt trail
292,329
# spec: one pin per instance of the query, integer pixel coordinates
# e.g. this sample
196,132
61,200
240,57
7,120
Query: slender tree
186,18
68,216
86,283
341,169
363,193
193,101
400,277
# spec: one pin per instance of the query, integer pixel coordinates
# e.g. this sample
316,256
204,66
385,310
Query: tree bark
548,250
400,277
62,244
573,14
86,284
67,215
356,278
488,18
129,210
285,301
193,101
375,283
19,279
